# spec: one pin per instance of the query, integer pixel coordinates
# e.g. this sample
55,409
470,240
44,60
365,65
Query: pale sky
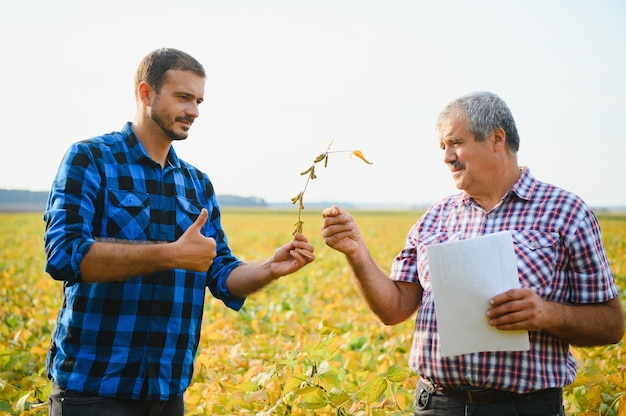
287,77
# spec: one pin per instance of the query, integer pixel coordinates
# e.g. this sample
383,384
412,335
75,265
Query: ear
145,92
499,138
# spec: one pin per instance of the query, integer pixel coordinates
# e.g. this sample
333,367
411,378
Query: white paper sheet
464,276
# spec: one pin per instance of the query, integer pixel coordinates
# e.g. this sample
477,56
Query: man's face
472,163
175,108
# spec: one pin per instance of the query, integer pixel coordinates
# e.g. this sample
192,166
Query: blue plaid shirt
560,256
134,339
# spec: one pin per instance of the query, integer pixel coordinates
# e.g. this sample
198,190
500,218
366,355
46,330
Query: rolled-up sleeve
216,282
225,261
589,272
69,214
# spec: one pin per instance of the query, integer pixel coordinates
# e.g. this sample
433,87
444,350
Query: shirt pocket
187,213
536,257
429,239
128,215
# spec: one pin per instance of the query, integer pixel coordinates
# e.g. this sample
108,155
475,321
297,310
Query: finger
338,232
201,220
514,320
306,254
303,247
331,212
508,326
300,237
301,242
507,306
509,295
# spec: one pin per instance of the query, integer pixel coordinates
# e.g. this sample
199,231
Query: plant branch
310,172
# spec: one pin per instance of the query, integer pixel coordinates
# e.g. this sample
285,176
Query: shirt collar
525,184
523,188
138,152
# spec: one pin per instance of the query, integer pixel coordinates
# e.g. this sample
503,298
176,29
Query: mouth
185,121
456,167
456,174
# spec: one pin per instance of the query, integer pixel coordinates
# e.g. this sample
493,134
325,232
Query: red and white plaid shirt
559,254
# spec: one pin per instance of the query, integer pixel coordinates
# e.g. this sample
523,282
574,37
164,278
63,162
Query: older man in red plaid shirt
568,294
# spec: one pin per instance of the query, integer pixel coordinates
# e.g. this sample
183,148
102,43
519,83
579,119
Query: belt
485,396
477,396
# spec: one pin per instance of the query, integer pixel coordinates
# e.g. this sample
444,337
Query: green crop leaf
397,374
339,398
6,407
375,388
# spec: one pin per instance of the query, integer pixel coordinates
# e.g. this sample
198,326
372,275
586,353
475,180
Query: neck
502,183
156,143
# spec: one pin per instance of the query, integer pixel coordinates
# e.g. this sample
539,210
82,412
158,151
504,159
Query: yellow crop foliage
305,345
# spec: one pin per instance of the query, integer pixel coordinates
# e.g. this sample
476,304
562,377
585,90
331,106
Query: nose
192,110
449,155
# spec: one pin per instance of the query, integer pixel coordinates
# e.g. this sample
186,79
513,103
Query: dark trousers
541,403
69,403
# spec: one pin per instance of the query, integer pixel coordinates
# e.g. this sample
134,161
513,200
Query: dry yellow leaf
621,410
359,154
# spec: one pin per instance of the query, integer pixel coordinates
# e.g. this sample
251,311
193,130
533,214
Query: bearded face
176,127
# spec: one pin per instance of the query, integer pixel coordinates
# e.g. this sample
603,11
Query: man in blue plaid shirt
135,235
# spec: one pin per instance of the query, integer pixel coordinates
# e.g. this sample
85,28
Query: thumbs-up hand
194,251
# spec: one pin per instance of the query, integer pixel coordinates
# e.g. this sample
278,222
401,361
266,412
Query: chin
459,184
180,135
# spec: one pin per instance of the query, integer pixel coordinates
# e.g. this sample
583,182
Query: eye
449,143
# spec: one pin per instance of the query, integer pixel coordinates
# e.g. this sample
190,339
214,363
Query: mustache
457,164
185,118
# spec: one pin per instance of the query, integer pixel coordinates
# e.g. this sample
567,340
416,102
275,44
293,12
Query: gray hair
484,112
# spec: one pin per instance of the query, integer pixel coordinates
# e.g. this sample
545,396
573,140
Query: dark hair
153,67
484,112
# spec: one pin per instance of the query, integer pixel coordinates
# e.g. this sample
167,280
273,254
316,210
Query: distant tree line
23,200
240,201
22,196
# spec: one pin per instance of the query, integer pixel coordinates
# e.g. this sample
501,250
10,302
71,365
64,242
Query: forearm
248,278
392,302
115,261
586,325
